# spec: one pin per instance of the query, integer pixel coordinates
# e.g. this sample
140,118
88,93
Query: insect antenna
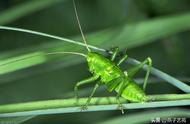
74,53
50,53
78,21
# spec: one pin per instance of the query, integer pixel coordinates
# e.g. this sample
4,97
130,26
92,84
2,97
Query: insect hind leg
120,106
121,89
148,72
137,68
124,58
115,52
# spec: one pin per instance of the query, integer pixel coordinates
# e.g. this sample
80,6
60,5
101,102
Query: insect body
112,76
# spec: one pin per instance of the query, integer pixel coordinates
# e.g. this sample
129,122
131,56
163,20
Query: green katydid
105,71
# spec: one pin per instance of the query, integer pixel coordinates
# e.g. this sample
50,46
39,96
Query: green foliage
149,28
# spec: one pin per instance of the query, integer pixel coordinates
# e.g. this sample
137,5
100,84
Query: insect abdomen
133,92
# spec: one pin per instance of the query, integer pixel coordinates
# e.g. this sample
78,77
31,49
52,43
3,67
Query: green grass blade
20,62
137,34
18,120
24,9
97,104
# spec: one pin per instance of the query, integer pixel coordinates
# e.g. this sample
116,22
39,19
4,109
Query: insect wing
114,83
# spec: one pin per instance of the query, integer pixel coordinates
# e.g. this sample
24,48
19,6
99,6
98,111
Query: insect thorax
103,67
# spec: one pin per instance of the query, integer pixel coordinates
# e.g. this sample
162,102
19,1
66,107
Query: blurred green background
156,28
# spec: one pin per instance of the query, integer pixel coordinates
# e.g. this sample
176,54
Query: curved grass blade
137,34
16,63
25,118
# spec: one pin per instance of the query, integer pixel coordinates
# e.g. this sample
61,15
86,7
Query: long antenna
78,21
51,53
74,53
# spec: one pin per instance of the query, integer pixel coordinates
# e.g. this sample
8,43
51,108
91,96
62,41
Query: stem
96,104
168,97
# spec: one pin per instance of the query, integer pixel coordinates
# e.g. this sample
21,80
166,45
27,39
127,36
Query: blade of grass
158,80
97,104
17,120
137,34
24,9
20,62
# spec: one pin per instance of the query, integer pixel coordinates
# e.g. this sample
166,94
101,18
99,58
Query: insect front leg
115,52
93,91
124,58
137,68
83,82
